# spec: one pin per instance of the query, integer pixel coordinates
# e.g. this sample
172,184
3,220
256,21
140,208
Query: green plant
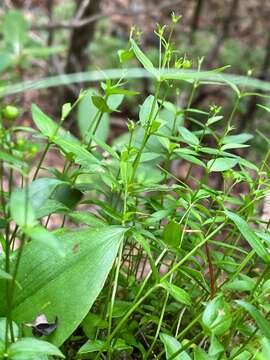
18,48
170,256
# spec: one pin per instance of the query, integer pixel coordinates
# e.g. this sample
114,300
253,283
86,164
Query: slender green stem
119,261
47,147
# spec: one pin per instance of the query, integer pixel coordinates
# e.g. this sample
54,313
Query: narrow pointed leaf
82,156
263,324
45,124
147,64
254,241
177,293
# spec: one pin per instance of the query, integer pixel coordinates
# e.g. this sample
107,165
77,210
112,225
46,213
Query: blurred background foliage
56,37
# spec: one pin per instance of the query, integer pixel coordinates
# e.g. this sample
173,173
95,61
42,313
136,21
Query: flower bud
10,112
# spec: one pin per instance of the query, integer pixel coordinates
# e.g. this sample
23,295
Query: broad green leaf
91,323
45,237
91,346
67,195
250,235
41,189
145,157
4,275
217,316
200,354
170,107
148,110
237,139
5,60
147,64
101,104
30,346
32,356
104,146
148,156
211,151
215,348
121,345
43,122
172,345
120,308
82,156
86,115
188,136
115,100
172,233
65,287
243,283
185,151
85,217
49,207
213,120
14,29
233,146
176,292
21,208
221,164
190,158
261,321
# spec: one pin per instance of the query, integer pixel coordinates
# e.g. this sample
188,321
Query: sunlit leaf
27,347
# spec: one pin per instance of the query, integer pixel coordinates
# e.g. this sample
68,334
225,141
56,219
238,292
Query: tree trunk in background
195,20
50,15
17,3
254,100
213,54
77,59
223,33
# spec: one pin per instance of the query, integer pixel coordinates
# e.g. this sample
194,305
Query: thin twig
69,25
81,9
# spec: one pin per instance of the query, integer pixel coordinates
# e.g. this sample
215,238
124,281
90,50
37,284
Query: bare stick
75,23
